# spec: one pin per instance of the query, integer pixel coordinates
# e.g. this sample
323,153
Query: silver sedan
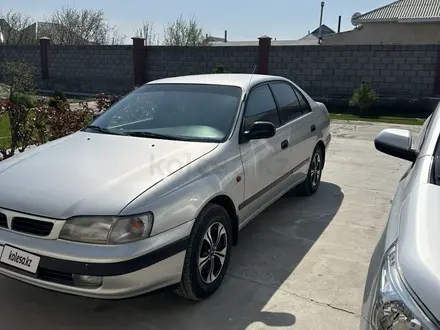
154,192
403,283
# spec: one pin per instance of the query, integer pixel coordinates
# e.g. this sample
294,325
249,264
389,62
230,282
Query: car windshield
192,112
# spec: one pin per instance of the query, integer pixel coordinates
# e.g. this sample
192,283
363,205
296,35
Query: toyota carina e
155,190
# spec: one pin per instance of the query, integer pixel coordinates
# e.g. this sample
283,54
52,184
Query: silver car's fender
419,173
180,197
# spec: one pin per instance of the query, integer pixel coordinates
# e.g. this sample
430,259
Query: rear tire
208,254
311,184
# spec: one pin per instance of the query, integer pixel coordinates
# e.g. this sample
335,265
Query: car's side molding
254,197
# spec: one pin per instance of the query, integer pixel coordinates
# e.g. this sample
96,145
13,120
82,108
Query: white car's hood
90,173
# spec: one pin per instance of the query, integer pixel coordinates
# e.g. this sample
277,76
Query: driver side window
260,106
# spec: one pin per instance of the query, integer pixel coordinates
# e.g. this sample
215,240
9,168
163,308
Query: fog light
88,281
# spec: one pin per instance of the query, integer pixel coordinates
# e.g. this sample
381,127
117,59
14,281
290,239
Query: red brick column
264,43
139,61
44,49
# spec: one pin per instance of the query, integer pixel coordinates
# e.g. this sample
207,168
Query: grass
379,119
4,131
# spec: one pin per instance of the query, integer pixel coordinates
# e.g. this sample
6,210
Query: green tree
363,98
19,77
185,32
220,68
72,26
148,32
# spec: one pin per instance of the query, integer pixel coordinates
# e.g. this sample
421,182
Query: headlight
108,230
394,308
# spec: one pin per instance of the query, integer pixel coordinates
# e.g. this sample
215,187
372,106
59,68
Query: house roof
403,11
324,31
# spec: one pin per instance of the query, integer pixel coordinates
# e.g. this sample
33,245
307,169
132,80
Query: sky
244,20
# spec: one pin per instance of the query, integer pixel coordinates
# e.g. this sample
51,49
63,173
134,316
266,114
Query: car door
266,162
308,124
298,122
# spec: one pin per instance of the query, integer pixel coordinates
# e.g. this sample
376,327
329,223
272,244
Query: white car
154,192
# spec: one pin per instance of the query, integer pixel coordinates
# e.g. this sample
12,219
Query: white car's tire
311,184
208,254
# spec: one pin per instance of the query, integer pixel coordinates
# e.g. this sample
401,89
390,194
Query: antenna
253,72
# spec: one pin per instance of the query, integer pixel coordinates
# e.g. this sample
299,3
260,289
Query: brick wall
174,61
24,53
338,70
91,68
321,70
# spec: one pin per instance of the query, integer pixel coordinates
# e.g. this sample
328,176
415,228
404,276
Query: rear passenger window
289,105
305,106
260,107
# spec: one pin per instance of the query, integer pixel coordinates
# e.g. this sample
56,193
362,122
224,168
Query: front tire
208,254
311,185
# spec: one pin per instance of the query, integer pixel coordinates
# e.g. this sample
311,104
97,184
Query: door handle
312,128
284,144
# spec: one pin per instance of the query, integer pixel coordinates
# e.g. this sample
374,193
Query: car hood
419,244
90,173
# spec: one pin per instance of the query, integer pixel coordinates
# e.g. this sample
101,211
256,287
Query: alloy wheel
212,252
315,172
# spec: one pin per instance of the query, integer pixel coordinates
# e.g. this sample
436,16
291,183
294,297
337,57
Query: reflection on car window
138,109
422,134
288,103
260,107
190,111
305,106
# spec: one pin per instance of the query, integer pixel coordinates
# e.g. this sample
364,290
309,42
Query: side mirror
261,130
396,143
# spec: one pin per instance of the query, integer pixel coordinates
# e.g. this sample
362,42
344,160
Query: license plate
20,259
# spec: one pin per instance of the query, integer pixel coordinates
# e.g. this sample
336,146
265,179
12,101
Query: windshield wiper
155,136
104,130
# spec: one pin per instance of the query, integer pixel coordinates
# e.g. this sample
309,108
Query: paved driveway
300,265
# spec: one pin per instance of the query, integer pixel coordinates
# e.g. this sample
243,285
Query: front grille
3,221
30,226
55,276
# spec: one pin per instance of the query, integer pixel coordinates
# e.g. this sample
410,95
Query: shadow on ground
269,250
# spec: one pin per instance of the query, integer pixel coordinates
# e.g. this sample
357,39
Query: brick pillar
263,54
139,61
437,75
44,49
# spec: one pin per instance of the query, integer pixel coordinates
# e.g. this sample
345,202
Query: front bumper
126,270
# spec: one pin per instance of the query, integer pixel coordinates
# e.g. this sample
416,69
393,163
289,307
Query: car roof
242,80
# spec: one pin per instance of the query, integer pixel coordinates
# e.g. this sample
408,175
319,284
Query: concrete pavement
300,265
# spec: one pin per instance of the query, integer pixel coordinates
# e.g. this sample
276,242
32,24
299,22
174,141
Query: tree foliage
364,97
71,26
148,32
16,29
220,68
19,76
185,32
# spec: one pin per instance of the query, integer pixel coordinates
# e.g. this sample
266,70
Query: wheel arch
227,203
321,145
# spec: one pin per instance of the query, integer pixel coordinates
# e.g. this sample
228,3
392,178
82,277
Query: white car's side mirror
396,142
